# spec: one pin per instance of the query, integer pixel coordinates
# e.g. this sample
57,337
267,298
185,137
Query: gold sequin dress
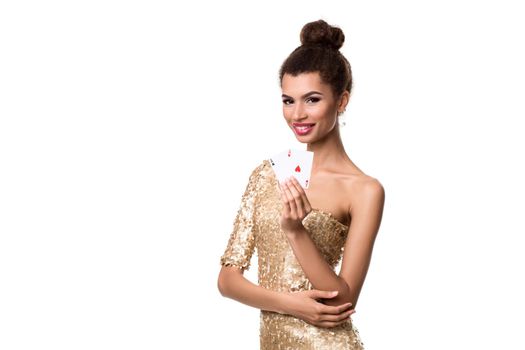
256,226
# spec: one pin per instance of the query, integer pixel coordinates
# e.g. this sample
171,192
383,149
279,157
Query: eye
285,101
313,99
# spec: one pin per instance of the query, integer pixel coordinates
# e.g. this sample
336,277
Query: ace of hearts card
292,162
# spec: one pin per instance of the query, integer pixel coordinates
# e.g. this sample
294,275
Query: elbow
224,281
222,284
348,295
345,294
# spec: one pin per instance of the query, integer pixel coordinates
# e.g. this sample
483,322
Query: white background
128,130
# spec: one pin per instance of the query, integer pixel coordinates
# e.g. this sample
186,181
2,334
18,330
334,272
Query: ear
343,101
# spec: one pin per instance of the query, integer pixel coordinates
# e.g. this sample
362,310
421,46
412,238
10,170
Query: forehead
302,83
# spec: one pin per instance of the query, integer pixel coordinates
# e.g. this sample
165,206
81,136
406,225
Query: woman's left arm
366,215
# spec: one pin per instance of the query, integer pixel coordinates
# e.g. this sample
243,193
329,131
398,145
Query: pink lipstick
302,128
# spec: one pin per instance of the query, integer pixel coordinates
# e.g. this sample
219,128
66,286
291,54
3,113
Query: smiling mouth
302,129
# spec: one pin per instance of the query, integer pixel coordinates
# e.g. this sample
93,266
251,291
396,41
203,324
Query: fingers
329,321
284,198
290,201
301,194
338,318
334,321
328,309
317,293
335,310
296,198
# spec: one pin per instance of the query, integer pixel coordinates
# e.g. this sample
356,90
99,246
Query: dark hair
319,52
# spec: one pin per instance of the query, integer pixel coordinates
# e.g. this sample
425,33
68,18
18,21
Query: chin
304,139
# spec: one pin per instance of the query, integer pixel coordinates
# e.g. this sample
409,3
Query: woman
304,303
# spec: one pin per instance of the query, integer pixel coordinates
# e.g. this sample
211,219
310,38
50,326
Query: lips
303,128
302,124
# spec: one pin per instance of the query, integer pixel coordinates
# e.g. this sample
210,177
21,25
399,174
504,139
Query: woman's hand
296,205
303,305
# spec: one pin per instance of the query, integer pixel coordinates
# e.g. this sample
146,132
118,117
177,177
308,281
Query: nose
298,113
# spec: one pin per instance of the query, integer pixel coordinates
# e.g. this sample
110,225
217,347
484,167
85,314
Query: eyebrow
305,95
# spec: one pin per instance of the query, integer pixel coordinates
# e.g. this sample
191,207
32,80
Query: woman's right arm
232,284
303,305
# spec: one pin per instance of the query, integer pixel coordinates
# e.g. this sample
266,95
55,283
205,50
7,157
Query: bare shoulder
363,190
343,189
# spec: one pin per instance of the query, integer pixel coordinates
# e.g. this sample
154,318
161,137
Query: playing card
280,165
300,163
292,162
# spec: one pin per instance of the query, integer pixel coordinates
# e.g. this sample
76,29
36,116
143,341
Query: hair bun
321,33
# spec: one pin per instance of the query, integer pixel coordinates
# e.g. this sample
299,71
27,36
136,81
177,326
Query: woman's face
309,102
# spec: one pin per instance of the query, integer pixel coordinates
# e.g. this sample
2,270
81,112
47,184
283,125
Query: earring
341,122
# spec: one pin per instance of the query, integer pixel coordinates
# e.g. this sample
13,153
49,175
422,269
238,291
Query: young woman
302,234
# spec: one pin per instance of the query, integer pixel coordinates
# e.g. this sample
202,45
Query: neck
329,152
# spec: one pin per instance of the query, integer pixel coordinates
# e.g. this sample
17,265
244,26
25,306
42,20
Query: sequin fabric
256,227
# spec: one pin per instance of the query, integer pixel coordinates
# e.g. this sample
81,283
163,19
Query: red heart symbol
298,169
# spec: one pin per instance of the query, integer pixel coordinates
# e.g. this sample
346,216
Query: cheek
320,112
287,113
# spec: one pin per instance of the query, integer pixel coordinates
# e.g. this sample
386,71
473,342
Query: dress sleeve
241,243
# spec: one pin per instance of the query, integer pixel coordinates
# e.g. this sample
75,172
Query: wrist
291,233
283,300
